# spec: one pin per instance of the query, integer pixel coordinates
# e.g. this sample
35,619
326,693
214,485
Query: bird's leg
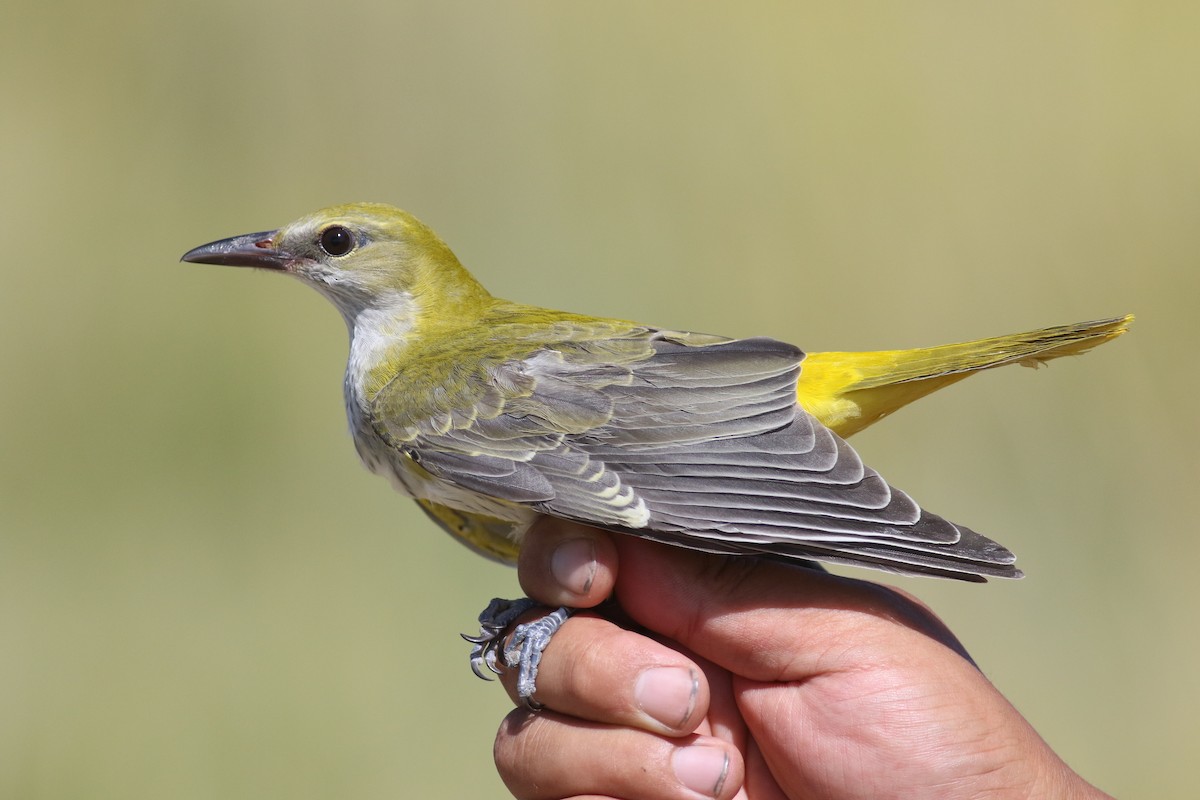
523,651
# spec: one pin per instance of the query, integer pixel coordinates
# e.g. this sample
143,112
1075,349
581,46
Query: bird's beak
250,250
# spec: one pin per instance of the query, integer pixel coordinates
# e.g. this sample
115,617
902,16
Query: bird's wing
693,440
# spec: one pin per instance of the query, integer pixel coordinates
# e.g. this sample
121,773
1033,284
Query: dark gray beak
250,250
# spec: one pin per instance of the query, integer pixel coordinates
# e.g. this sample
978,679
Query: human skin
740,678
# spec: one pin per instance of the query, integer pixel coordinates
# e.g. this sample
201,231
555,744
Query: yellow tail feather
849,391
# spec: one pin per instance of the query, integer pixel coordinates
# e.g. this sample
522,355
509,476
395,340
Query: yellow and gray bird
490,413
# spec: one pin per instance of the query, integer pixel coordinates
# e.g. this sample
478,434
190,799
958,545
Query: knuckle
520,744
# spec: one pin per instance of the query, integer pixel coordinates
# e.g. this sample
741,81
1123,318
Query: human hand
753,680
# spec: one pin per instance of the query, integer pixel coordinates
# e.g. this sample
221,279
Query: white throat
374,332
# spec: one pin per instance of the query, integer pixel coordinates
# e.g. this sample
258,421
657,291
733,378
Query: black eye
336,240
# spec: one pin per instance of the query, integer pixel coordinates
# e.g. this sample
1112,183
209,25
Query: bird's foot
523,651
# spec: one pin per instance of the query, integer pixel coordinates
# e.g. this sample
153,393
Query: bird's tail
849,391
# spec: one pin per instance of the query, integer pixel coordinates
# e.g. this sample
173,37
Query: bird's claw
493,621
523,651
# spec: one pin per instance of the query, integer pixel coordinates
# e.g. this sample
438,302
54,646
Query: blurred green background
203,595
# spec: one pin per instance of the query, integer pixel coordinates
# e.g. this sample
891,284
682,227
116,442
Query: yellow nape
849,391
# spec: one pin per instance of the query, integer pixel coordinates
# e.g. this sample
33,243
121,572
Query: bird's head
363,257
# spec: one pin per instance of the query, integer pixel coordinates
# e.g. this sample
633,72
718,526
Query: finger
765,620
567,564
546,755
594,670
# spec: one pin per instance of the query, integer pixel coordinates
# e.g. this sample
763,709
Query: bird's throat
379,335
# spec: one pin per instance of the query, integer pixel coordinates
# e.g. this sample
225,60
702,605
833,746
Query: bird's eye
336,240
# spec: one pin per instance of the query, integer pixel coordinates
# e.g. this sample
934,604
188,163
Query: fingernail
701,768
573,565
668,694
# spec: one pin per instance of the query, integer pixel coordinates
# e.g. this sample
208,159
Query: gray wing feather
974,559
698,442
491,475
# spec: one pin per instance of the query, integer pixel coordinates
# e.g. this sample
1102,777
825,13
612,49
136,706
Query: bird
491,413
